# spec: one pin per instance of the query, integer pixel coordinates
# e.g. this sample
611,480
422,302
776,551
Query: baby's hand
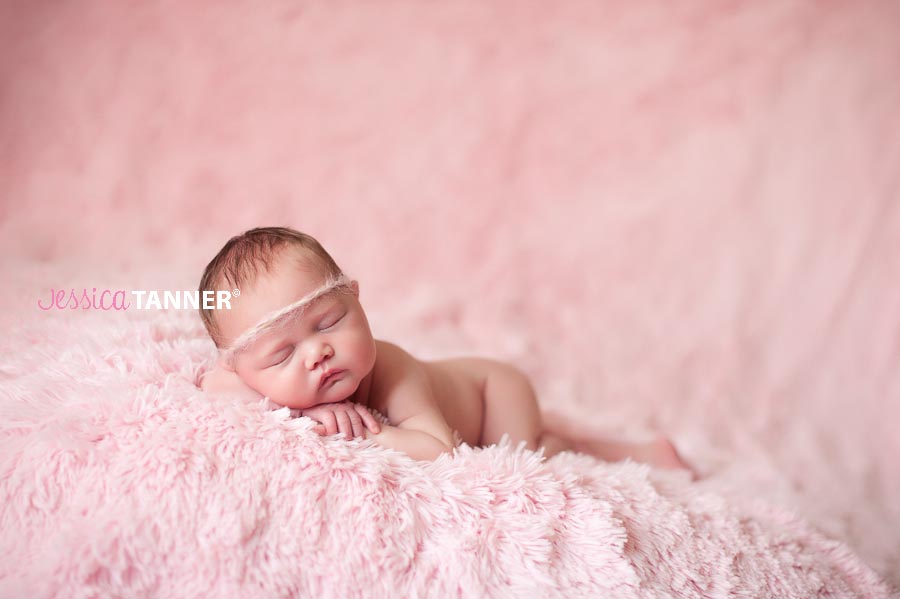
345,417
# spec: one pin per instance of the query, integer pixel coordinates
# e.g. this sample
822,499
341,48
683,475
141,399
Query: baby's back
458,385
484,399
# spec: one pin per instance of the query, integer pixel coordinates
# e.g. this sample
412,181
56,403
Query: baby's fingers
331,426
373,425
358,429
345,425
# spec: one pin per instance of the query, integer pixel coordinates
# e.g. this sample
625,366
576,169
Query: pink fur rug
121,479
679,216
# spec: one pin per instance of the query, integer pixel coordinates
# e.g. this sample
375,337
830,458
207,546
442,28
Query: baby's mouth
330,375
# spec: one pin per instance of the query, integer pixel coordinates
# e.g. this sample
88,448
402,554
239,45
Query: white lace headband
281,317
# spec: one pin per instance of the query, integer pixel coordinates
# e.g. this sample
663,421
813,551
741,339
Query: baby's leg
657,450
510,407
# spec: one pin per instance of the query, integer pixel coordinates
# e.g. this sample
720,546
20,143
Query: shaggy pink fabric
122,479
680,216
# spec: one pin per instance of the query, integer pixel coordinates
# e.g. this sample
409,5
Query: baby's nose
318,355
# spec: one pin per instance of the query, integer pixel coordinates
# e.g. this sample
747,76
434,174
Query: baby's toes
666,456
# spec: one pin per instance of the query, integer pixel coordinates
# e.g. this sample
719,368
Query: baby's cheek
291,389
279,388
367,350
267,384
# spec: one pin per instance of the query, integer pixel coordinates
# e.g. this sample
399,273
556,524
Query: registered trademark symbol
236,293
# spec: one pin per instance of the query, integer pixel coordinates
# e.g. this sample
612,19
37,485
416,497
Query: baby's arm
417,426
345,417
220,380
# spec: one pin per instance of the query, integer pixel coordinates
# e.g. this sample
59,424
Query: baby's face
289,365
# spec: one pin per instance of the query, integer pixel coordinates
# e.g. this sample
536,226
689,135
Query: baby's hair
242,258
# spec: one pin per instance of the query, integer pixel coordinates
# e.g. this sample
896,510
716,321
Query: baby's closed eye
330,321
281,357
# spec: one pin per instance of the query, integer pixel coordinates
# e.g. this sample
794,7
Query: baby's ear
354,285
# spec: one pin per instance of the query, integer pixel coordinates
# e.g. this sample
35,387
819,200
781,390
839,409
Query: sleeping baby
298,335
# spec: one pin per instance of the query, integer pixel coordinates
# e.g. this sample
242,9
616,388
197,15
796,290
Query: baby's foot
658,452
662,454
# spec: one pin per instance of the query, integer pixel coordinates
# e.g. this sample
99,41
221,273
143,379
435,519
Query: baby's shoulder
394,368
391,357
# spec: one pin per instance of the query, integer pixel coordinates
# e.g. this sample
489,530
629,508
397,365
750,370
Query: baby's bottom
485,399
511,407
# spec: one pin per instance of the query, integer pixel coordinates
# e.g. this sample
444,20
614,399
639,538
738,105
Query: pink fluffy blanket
121,478
675,215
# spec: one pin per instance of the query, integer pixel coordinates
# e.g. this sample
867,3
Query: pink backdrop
683,216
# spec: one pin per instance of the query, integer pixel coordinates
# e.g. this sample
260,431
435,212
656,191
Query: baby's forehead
292,312
279,318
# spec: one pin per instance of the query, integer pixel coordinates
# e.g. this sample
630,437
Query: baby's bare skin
461,388
327,365
458,386
467,394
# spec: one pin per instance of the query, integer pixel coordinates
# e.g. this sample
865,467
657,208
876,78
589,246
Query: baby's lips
328,375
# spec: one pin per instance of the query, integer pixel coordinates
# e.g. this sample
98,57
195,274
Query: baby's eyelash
337,320
282,360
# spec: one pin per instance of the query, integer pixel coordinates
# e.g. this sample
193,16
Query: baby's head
297,320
